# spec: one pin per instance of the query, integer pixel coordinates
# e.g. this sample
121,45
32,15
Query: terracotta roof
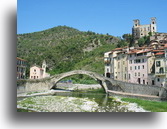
143,51
20,59
165,46
117,49
160,53
133,51
157,50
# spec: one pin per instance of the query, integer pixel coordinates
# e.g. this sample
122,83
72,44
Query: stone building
159,39
21,68
36,72
139,31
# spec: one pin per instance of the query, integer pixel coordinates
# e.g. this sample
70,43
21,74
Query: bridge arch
93,75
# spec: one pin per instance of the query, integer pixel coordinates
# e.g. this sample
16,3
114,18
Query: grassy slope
63,49
152,106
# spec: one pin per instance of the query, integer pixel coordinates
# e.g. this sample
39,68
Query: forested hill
65,48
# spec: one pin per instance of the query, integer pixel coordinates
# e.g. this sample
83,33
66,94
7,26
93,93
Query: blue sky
101,16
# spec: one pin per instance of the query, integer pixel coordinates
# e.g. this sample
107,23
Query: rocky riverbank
36,102
71,86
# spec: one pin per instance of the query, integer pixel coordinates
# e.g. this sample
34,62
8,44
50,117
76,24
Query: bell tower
44,68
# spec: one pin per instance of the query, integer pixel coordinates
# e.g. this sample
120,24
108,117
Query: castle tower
135,29
136,23
44,68
153,25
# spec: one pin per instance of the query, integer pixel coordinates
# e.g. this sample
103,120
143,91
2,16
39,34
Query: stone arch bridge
49,83
108,84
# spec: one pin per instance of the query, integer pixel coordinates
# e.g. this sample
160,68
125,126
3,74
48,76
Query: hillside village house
21,68
36,72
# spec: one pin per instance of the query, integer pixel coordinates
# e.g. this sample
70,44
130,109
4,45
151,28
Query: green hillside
65,48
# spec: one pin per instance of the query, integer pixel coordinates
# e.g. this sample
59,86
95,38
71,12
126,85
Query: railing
160,73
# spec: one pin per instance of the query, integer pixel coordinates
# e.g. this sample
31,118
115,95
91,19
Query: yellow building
116,64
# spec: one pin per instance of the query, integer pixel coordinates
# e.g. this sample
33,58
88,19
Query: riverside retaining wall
137,88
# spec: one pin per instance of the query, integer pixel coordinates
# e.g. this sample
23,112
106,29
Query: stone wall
39,86
33,85
137,88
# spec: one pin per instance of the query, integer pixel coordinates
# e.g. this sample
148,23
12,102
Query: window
34,70
158,63
161,70
142,60
158,79
138,60
129,76
130,67
143,66
118,65
125,76
135,67
135,74
153,83
138,73
138,67
143,75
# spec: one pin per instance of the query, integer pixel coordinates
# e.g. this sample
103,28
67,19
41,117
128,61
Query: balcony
160,73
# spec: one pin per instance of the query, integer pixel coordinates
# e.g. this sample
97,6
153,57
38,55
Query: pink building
138,68
36,72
